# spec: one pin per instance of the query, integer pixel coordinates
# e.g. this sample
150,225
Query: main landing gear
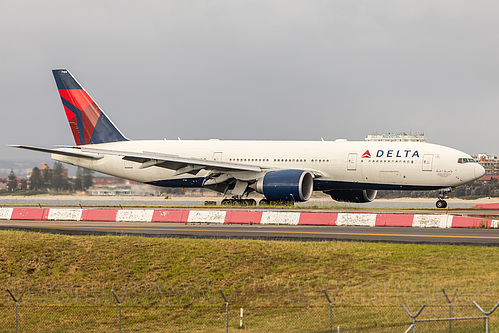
252,202
266,202
238,202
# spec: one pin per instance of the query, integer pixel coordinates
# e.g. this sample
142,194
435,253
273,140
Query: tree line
51,179
476,189
56,180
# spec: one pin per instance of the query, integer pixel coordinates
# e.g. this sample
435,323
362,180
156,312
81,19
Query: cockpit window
463,160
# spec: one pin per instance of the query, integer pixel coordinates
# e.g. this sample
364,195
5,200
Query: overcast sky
291,70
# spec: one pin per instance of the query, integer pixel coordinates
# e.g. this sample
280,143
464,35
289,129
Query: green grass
44,258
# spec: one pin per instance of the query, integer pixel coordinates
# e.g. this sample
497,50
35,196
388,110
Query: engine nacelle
286,185
358,196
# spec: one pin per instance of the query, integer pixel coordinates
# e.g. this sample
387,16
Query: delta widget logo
393,153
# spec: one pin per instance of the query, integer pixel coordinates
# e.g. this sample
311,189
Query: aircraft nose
479,171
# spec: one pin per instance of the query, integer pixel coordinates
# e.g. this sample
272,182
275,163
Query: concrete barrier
488,206
247,217
32,214
6,213
350,219
134,215
470,222
318,218
243,217
432,221
207,216
176,216
394,220
289,218
107,215
60,214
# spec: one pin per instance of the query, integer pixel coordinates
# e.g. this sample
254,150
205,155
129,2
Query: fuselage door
352,161
427,162
217,156
128,164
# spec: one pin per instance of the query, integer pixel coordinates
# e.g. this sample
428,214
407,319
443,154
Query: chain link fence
268,306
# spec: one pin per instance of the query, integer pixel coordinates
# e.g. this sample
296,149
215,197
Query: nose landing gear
441,203
442,195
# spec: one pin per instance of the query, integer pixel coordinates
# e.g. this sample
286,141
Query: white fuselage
336,164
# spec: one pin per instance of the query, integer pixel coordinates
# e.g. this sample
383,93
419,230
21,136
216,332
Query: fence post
450,308
487,314
226,311
413,316
119,306
17,310
330,310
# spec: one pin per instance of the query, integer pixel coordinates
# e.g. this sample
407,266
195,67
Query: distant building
397,137
112,190
110,180
4,183
117,186
44,168
487,178
489,162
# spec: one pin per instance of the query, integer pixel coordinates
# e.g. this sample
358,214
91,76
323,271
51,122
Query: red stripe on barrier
176,216
394,220
108,215
488,206
318,218
243,217
33,214
470,222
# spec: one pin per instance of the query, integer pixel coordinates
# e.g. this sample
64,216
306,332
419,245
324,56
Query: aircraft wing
180,164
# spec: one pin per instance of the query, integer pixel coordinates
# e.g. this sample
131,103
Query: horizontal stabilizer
58,152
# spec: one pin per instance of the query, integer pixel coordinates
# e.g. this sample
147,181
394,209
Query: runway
462,236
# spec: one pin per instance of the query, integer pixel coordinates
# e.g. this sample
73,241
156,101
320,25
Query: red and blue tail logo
88,122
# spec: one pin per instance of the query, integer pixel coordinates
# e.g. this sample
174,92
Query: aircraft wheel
227,202
441,204
263,202
282,203
250,202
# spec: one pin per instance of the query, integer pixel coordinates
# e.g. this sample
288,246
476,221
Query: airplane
283,171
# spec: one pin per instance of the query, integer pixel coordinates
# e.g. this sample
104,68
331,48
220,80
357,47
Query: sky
230,69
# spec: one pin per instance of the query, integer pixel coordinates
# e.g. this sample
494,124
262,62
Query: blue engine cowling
286,185
358,196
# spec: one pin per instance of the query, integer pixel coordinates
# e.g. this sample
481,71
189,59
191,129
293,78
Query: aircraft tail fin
88,122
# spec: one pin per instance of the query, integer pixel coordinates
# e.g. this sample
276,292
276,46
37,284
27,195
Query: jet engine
286,185
358,196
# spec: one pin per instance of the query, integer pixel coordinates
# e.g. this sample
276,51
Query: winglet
88,122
